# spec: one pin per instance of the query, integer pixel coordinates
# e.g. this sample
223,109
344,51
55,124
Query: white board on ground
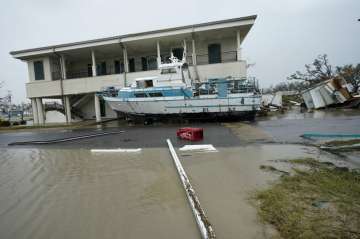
116,150
199,148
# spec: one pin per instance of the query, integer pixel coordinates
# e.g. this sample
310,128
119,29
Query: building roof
47,49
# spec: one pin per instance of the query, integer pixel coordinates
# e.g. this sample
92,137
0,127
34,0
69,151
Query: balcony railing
201,59
227,56
81,73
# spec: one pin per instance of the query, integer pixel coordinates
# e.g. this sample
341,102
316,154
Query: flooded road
65,191
72,193
59,193
289,126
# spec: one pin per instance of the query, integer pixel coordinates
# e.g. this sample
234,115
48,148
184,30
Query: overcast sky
287,33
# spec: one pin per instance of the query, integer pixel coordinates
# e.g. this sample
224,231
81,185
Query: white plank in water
119,150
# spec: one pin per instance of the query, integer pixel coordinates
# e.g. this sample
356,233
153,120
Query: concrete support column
126,64
67,109
35,111
63,67
185,51
158,53
97,108
193,56
238,44
40,111
126,60
93,63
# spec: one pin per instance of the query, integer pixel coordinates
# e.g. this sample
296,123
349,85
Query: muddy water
57,193
76,194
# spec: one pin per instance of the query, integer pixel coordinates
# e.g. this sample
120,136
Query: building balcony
82,85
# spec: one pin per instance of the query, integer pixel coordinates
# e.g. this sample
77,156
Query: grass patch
268,168
343,142
321,202
342,145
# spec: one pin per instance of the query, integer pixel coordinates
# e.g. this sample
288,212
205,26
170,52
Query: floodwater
73,193
289,126
65,191
55,193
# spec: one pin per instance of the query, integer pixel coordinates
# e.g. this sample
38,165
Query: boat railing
233,86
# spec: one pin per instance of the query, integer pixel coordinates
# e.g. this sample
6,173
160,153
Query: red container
192,134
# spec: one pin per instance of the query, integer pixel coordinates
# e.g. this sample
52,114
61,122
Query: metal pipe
202,221
52,141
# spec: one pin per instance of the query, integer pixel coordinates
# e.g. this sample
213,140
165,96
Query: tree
320,70
351,74
289,86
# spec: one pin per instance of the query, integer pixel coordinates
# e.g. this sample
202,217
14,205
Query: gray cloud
286,35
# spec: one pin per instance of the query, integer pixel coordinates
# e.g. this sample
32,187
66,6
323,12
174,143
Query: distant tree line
318,71
287,86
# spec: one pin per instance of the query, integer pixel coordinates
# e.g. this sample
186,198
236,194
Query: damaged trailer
330,92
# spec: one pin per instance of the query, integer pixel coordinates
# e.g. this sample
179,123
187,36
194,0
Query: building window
214,51
39,70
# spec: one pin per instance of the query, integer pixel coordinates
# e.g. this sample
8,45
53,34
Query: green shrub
4,123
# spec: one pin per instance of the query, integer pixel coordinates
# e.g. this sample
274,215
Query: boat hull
209,117
242,106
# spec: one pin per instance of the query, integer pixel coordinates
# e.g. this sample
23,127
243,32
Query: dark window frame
140,95
144,64
39,70
214,53
156,94
131,62
117,67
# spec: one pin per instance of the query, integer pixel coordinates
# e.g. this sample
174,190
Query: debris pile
331,92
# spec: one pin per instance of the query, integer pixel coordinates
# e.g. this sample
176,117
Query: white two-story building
74,72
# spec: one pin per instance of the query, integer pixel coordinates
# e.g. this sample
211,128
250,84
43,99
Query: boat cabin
175,73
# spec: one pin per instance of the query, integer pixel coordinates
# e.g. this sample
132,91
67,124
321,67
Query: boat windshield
144,83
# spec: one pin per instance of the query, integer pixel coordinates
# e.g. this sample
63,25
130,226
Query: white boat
173,93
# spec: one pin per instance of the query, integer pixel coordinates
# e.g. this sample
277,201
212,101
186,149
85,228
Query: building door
144,64
102,108
89,70
178,53
122,68
117,67
214,51
132,65
103,68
